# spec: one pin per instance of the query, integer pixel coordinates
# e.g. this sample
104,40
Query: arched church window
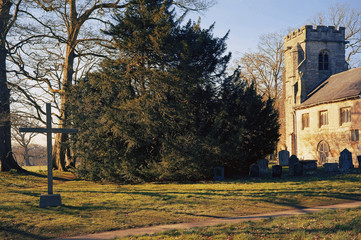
323,61
323,152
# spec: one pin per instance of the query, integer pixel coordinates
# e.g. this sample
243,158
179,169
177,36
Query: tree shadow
16,233
34,174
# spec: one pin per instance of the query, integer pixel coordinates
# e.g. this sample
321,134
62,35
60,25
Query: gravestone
218,174
263,167
309,165
49,200
330,167
283,157
345,160
359,161
276,171
253,170
292,162
298,170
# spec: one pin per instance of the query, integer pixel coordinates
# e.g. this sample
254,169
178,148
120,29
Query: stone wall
336,135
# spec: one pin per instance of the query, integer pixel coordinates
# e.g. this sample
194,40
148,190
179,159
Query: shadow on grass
283,197
54,178
27,193
15,233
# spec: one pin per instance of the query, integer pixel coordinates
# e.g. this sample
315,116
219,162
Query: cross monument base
50,200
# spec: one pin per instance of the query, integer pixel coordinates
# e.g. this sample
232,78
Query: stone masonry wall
336,135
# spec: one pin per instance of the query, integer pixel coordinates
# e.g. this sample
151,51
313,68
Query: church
322,101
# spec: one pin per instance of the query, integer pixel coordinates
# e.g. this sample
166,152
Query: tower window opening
323,61
295,90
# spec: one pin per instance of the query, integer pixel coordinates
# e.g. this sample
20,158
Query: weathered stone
345,160
330,167
253,170
292,162
309,165
50,200
263,167
283,157
298,170
276,171
305,72
218,174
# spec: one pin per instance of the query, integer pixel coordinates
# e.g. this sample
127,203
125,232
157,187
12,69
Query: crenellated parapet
320,33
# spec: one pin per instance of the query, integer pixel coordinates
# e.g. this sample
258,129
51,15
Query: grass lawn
95,207
328,224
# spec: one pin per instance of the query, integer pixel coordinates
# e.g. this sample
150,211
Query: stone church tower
311,56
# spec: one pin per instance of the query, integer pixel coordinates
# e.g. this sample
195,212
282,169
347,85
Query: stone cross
50,199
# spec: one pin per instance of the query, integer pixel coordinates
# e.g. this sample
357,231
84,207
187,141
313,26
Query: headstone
330,167
359,161
345,160
253,170
298,170
309,165
263,167
50,200
283,157
292,162
218,174
276,171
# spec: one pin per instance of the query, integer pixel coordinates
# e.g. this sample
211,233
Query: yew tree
246,126
146,114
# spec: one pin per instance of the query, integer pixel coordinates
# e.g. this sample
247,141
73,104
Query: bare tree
37,154
341,15
8,14
21,138
264,66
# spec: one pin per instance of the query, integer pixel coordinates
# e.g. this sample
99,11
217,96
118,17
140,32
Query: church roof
344,85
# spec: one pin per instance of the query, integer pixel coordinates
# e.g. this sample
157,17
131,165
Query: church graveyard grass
95,207
327,224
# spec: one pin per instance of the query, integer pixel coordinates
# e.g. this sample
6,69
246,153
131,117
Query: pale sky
248,19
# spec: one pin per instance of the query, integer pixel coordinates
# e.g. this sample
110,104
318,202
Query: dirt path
212,222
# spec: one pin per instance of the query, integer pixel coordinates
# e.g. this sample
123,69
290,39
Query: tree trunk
26,156
59,151
61,148
7,160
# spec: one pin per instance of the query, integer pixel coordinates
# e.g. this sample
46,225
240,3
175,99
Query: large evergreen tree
162,109
147,113
246,126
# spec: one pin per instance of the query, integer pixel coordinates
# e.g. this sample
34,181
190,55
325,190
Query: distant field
35,168
95,207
